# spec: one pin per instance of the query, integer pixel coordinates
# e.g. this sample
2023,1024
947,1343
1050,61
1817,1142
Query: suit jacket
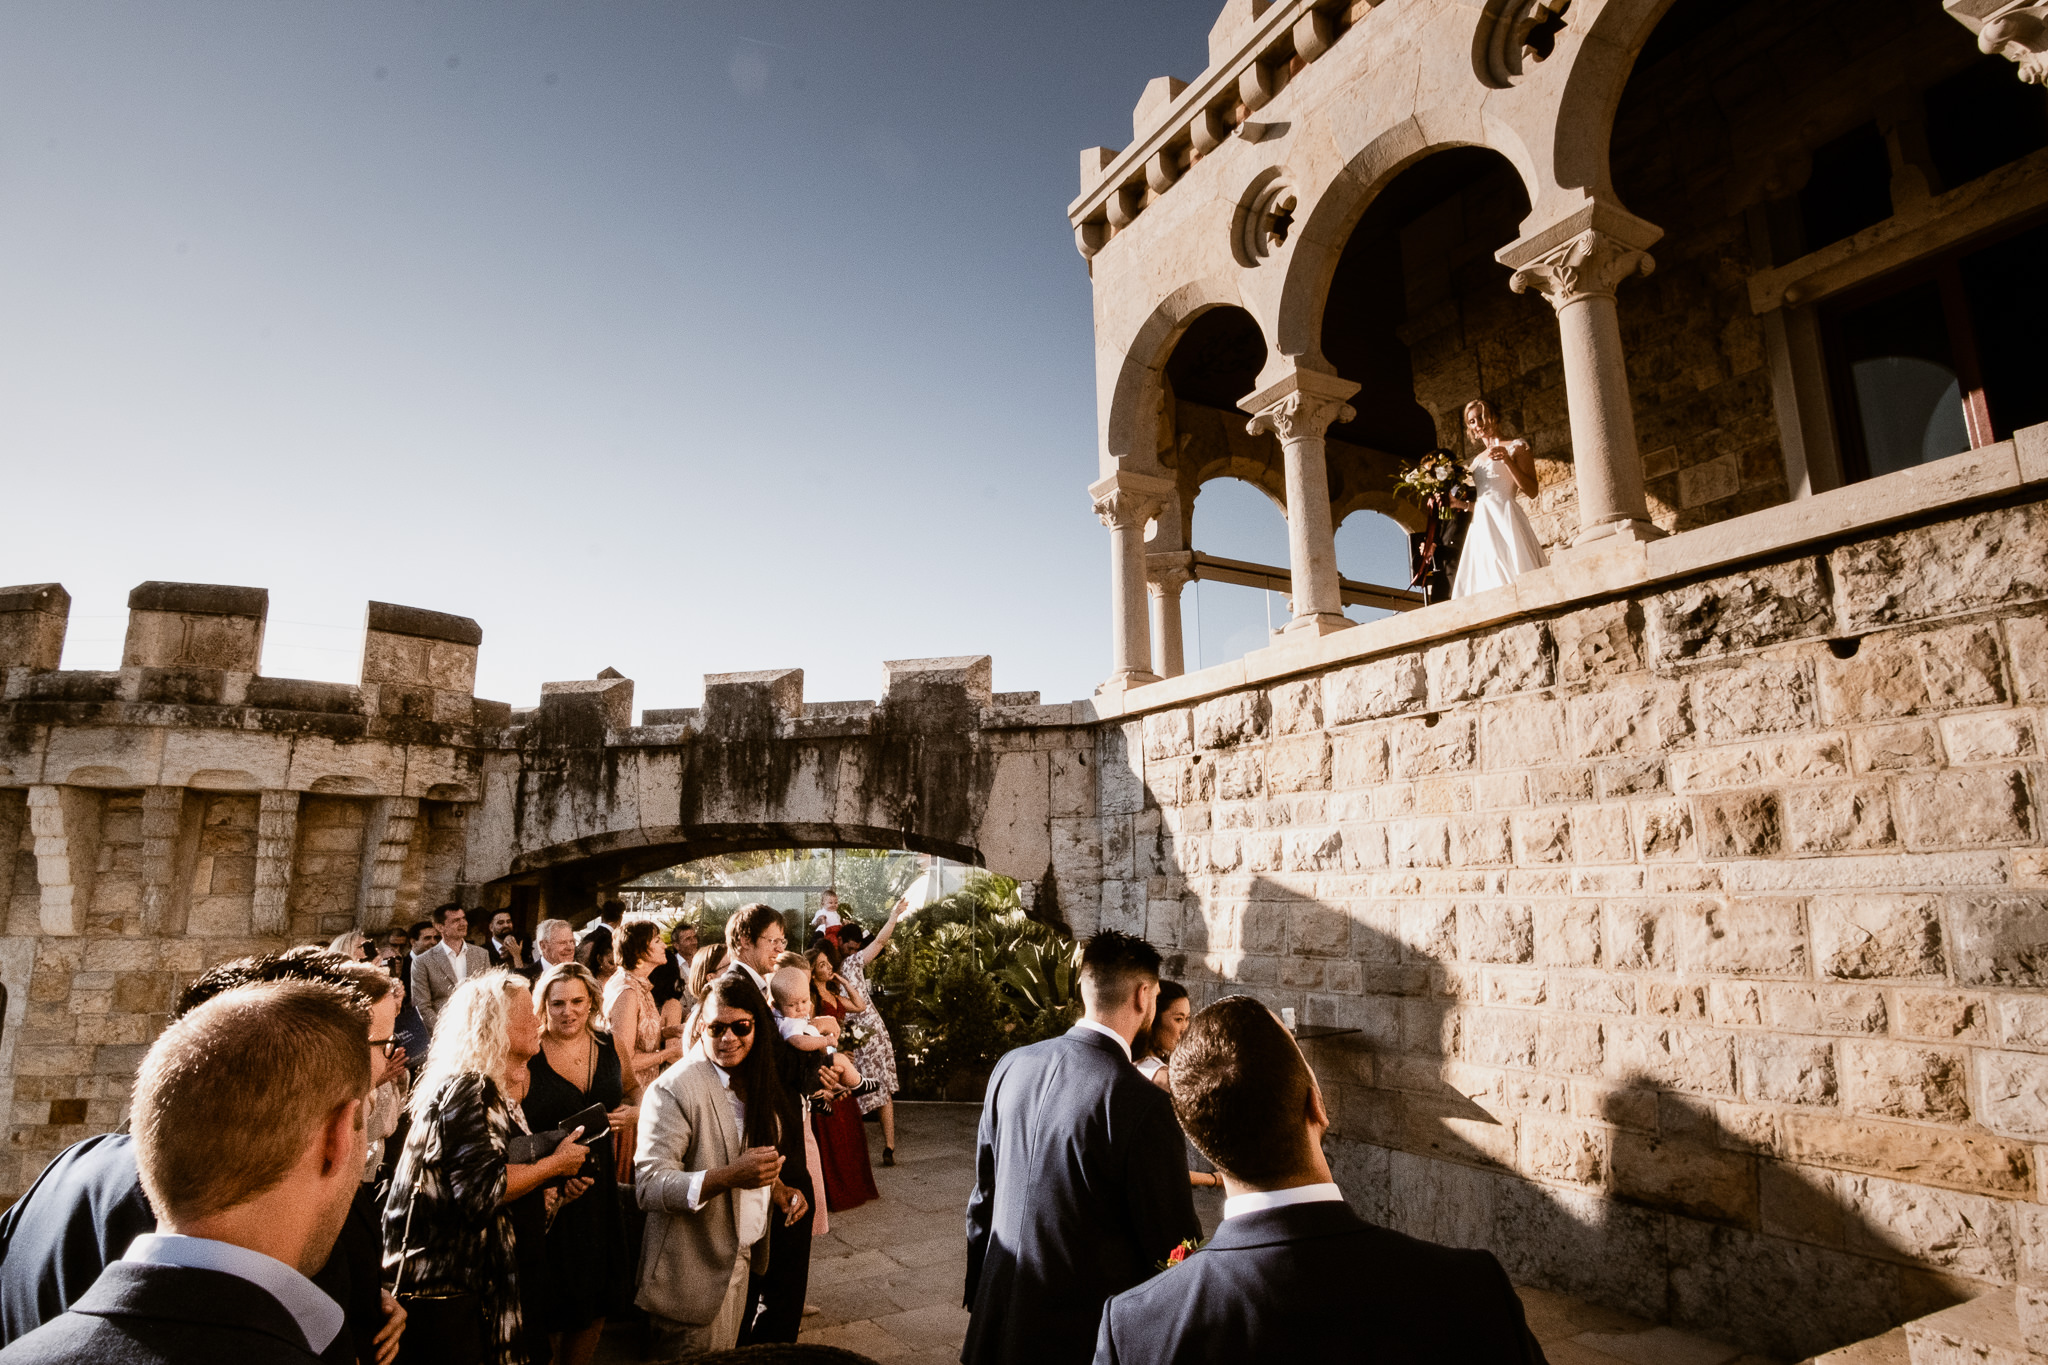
1081,1188
81,1214
142,1314
686,1259
433,978
78,1219
1317,1282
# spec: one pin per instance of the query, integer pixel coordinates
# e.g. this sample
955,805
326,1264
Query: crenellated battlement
186,794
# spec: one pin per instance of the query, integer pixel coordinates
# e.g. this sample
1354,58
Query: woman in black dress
589,1276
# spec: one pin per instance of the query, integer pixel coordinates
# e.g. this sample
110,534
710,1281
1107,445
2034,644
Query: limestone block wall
184,809
1695,935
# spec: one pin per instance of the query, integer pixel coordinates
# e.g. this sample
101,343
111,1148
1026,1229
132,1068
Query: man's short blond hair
231,1093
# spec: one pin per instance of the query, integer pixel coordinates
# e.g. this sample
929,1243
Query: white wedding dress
1499,542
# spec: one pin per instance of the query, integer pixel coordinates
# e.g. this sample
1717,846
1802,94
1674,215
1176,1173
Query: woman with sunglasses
706,1172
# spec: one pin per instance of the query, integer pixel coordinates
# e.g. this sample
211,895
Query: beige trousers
681,1340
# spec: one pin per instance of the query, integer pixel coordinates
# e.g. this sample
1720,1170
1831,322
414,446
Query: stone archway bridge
185,794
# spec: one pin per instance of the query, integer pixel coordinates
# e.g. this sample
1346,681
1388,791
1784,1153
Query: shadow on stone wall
1447,1101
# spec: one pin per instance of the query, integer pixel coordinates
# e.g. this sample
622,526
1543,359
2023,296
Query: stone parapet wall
1695,936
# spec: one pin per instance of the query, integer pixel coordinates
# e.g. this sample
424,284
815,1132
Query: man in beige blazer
708,1199
438,971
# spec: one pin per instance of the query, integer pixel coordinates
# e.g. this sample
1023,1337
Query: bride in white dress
1499,542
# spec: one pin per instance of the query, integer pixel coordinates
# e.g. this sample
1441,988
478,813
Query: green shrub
965,980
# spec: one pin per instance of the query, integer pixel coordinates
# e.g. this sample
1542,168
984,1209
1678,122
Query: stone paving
887,1279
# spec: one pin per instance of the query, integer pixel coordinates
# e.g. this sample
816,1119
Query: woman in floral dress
876,1058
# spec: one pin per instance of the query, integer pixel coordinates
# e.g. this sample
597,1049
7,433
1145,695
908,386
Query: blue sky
671,336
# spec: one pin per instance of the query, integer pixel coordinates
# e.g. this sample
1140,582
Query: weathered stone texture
1997,558
1771,605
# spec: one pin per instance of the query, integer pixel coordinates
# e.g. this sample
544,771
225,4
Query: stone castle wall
1694,936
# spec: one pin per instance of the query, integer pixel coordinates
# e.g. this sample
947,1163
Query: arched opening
1420,316
1768,159
1227,617
1372,547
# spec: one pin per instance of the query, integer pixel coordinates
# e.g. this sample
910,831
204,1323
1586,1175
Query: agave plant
1041,976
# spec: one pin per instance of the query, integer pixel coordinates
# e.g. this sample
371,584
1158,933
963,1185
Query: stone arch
621,855
1401,512
1582,118
1131,430
1326,230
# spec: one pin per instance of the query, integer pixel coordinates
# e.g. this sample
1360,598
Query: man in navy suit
1081,1177
249,1137
1293,1274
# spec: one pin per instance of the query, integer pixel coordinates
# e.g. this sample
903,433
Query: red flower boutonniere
1181,1253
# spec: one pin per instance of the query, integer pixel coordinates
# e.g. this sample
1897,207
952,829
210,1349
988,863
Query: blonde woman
1500,544
448,1224
589,1276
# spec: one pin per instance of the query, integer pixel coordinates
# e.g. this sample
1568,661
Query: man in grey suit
1081,1177
438,971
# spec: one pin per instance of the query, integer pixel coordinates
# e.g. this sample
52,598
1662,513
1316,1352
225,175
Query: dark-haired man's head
248,1116
1247,1098
453,922
425,934
756,936
612,912
363,982
1119,981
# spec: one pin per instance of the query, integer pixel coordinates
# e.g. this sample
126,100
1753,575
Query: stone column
1300,410
163,829
1125,501
1579,279
277,839
1167,575
66,824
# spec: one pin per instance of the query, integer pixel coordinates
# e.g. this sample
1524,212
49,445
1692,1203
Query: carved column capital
1301,416
1169,571
2016,30
1301,406
1127,498
1590,265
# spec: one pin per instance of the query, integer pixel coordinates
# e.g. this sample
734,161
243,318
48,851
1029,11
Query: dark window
2005,295
1981,118
1850,189
1902,381
1940,358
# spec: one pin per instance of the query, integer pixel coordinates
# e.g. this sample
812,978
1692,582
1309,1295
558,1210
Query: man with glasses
88,1204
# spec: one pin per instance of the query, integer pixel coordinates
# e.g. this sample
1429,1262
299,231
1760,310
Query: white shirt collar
319,1317
1261,1200
1108,1032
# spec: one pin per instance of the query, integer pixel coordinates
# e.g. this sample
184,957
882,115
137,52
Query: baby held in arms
791,989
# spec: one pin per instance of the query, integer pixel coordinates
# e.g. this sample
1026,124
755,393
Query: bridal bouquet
852,1037
1436,481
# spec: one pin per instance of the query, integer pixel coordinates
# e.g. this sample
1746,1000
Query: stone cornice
1215,84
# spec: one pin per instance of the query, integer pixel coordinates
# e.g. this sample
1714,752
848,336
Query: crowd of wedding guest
637,1126
524,1141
